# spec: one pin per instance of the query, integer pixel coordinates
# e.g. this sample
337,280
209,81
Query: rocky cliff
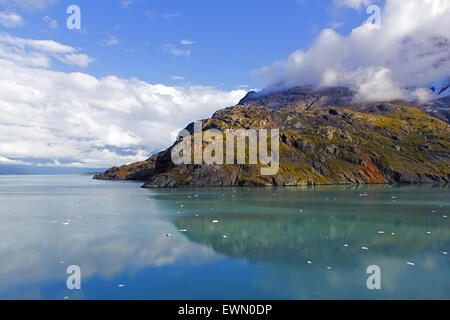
325,138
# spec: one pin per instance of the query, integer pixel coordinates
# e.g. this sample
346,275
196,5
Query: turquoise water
275,243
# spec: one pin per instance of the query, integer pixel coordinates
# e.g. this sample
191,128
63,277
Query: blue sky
231,38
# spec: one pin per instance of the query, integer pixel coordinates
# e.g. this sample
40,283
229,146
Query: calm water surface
275,243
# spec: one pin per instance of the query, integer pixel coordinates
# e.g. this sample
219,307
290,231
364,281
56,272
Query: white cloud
4,160
173,50
175,77
187,42
75,119
52,24
355,4
170,16
39,53
81,60
126,3
29,4
410,50
10,19
110,41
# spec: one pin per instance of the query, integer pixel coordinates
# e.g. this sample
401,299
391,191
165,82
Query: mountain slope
324,139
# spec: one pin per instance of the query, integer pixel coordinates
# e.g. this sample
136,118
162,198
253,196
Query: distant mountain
30,170
324,139
16,170
441,88
440,105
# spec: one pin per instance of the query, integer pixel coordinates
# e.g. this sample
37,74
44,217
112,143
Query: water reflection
289,243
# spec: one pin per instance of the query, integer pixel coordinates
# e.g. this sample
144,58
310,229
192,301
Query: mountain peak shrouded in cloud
410,50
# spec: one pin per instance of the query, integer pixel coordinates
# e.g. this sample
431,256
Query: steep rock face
324,139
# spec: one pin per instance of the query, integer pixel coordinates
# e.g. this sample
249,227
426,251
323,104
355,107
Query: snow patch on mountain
441,88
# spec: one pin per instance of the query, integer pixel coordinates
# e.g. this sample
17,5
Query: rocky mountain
325,138
139,171
440,105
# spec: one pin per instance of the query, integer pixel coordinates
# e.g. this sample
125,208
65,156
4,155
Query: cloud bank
411,49
75,119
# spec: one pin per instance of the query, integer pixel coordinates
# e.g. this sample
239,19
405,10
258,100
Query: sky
137,71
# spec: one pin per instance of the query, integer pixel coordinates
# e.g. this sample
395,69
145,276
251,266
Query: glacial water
232,243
